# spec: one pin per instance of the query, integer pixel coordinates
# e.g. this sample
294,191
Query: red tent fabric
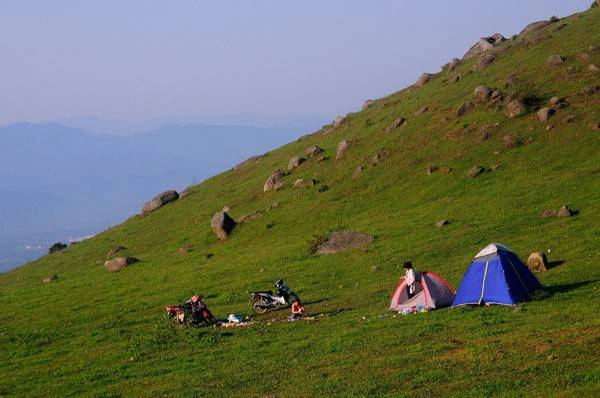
431,291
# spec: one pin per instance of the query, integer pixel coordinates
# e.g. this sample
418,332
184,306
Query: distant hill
487,149
58,179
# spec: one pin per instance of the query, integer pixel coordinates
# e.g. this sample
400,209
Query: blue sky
142,59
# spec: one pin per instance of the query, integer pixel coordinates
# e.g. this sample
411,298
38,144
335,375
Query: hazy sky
141,59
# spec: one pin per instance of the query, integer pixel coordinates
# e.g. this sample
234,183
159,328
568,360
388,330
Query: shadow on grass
567,287
554,264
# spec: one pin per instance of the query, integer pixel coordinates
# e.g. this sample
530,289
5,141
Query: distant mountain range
56,181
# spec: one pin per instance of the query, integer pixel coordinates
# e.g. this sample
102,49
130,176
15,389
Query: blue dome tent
496,276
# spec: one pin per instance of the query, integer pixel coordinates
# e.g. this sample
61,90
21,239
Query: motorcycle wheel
259,306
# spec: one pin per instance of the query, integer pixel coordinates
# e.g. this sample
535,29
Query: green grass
94,333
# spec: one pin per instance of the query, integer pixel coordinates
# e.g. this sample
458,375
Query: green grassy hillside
96,333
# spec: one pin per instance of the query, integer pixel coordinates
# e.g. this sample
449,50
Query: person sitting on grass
297,310
409,277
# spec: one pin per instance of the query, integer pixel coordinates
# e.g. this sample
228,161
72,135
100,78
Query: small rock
555,60
117,264
495,167
357,172
510,141
570,119
464,109
50,278
261,270
313,151
475,171
185,248
374,268
222,225
431,169
273,180
455,78
299,183
421,111
547,213
594,125
484,134
295,162
185,193
344,240
593,68
368,103
549,127
564,212
514,108
226,209
342,148
441,224
323,188
537,261
590,90
424,79
250,217
339,121
545,113
554,101
395,124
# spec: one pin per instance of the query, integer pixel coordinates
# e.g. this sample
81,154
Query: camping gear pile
496,276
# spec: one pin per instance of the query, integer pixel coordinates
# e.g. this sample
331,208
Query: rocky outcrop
342,148
486,59
340,120
222,225
452,65
484,44
159,201
273,181
533,27
344,240
483,94
117,264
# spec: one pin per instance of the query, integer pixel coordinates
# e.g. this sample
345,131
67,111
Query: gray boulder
273,180
117,264
339,121
475,171
368,103
159,201
222,225
483,94
486,59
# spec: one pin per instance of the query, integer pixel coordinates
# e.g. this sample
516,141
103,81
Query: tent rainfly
431,291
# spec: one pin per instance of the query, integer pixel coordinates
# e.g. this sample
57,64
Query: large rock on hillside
545,113
342,148
222,225
295,162
486,59
344,240
273,180
313,151
452,65
117,264
340,120
484,44
555,60
537,261
368,103
534,26
424,79
483,94
159,201
514,107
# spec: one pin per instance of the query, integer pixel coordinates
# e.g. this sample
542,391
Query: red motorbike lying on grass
185,314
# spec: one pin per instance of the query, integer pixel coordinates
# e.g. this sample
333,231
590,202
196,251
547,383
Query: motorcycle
183,314
264,301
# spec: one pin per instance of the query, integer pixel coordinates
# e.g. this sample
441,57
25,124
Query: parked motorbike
264,301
